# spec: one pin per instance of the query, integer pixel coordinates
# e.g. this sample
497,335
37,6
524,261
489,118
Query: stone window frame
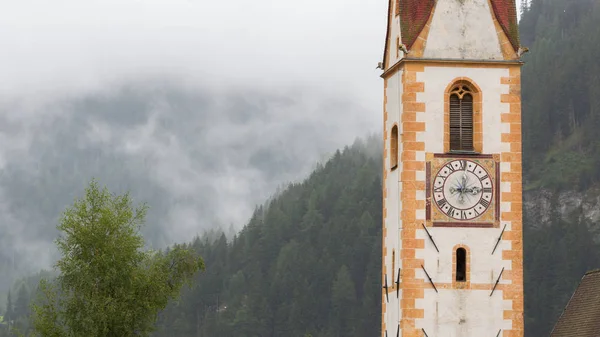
394,147
466,284
476,92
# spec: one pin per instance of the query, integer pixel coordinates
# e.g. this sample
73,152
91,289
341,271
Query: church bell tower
452,193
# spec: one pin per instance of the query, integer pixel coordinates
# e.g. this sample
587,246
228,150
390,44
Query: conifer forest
308,261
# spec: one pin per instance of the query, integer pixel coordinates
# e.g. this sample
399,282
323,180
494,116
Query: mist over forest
201,158
199,109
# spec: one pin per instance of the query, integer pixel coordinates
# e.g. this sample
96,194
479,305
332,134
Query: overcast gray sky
66,45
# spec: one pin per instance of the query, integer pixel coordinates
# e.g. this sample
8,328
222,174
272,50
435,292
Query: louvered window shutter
461,123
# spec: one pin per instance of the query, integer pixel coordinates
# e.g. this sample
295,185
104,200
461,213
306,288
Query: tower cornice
430,61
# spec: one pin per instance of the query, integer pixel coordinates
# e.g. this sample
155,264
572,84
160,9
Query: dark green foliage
556,258
17,314
307,263
107,285
561,123
561,117
9,313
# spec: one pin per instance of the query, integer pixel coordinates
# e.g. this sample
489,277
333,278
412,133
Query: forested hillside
561,93
561,118
183,148
307,263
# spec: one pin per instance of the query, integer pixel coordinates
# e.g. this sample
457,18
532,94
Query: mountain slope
561,154
202,158
308,262
561,118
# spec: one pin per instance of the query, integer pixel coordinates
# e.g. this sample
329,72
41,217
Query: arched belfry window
461,265
461,118
394,148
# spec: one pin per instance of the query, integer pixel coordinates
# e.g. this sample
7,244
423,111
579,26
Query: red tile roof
506,14
413,17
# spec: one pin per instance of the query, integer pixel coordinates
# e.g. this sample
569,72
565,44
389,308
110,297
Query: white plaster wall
393,314
392,221
436,81
463,29
393,93
463,313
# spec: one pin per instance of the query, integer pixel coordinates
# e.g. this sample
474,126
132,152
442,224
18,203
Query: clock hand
473,190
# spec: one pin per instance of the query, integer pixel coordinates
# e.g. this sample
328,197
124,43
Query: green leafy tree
108,285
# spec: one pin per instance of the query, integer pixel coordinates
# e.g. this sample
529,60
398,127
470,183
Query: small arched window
461,118
461,265
394,148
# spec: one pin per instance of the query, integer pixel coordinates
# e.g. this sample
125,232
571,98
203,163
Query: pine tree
9,314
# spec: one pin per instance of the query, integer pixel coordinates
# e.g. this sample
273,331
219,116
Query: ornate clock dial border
471,224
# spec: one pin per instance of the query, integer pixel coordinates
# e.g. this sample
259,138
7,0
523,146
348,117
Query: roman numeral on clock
442,202
487,190
484,203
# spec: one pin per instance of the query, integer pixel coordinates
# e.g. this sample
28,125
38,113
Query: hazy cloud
72,45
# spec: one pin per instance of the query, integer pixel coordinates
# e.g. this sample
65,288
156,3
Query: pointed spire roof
414,15
506,14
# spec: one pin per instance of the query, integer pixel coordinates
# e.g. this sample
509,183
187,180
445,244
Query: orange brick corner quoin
514,290
411,290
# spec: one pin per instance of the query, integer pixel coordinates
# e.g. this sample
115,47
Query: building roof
506,14
581,317
415,13
413,17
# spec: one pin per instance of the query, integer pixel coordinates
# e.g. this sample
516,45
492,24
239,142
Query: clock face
463,189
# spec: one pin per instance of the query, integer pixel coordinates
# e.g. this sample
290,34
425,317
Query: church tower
452,211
